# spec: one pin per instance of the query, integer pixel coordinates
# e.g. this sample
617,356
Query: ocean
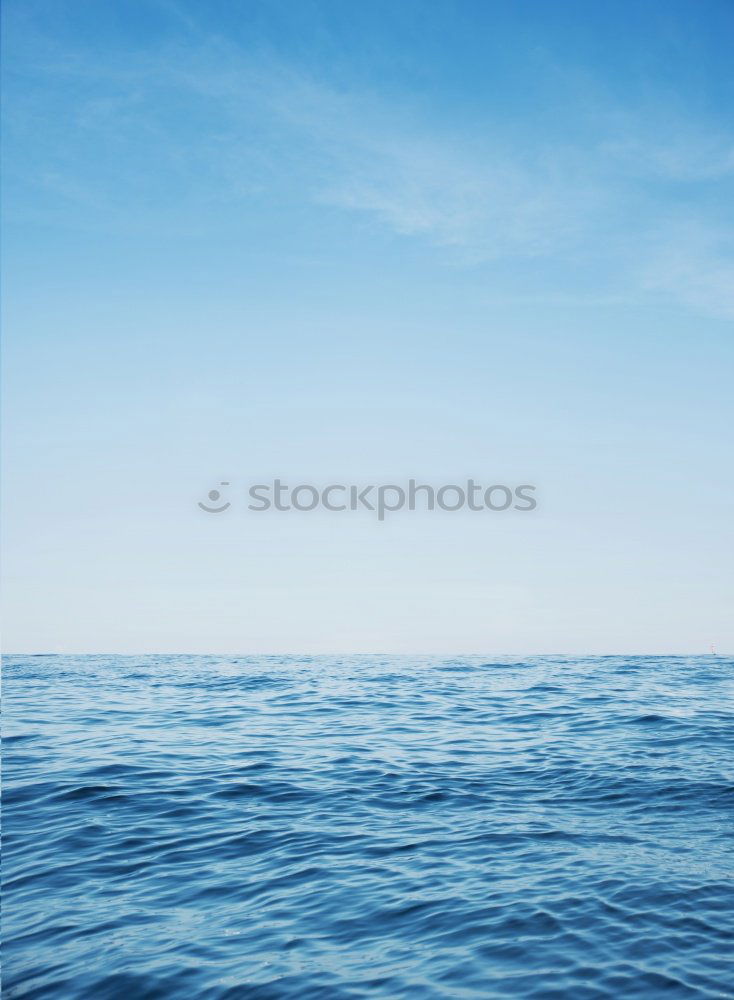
370,826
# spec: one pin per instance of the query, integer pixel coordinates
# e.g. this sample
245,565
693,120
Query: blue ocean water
295,827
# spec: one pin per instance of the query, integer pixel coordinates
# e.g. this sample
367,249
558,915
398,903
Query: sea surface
300,827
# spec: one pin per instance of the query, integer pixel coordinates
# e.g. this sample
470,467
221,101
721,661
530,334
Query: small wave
313,828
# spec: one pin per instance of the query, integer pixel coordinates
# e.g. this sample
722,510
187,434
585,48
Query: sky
360,243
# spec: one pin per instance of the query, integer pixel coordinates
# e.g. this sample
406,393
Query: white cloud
693,264
609,200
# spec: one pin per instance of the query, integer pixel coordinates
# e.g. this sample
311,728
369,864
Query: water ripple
285,827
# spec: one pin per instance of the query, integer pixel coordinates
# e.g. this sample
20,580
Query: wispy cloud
643,199
660,145
639,194
692,263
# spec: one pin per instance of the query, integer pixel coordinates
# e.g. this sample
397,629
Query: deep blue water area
346,827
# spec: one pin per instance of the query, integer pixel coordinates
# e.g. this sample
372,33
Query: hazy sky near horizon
341,242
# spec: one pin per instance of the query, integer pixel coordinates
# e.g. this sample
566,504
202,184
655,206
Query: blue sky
342,242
